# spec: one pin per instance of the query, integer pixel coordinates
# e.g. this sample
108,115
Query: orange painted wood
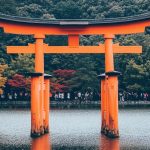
103,105
73,40
46,104
109,144
35,107
107,104
74,49
109,60
39,67
30,29
41,143
113,104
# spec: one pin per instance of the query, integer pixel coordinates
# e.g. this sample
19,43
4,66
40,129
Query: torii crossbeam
74,49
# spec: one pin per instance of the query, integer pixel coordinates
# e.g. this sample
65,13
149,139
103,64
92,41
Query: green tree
135,76
8,7
67,10
32,10
21,64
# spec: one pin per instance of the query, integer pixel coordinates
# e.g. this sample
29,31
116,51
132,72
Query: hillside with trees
82,70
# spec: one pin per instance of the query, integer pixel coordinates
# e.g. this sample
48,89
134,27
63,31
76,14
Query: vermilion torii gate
73,28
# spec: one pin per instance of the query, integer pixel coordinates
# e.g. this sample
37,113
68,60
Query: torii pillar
109,91
39,68
35,104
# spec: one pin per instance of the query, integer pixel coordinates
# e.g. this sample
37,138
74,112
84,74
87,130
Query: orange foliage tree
62,80
19,83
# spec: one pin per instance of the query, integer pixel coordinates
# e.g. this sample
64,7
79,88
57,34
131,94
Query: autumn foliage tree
2,78
19,83
62,80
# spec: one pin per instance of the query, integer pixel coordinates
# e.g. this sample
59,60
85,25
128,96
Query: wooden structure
73,28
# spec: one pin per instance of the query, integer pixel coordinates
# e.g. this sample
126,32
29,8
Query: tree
2,78
135,77
62,80
8,7
115,11
86,76
19,83
21,64
67,10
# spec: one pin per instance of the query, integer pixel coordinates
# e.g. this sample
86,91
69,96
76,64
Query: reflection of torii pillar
109,144
41,143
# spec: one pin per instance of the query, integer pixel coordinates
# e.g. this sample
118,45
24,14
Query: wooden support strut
104,113
46,102
73,40
109,61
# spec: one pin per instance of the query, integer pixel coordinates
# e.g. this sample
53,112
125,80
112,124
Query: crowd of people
86,96
15,96
80,96
134,96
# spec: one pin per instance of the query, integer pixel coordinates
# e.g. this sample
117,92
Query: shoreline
75,104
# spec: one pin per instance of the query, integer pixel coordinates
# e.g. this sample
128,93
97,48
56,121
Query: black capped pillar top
113,73
47,76
34,74
102,76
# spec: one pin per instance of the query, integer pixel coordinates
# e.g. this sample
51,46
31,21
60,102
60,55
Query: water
75,129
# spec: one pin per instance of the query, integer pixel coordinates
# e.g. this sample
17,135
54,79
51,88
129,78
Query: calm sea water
75,129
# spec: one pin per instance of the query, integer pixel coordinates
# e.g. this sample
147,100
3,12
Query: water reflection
44,143
41,143
109,144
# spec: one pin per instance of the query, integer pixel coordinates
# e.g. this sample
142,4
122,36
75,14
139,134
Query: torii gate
74,48
73,28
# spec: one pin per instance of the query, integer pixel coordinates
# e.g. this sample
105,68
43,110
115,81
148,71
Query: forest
75,72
